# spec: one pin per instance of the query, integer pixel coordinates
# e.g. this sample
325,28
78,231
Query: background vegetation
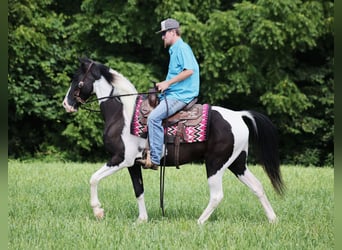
275,57
49,208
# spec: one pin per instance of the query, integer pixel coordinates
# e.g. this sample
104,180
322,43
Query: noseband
80,85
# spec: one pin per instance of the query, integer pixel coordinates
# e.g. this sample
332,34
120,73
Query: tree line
275,57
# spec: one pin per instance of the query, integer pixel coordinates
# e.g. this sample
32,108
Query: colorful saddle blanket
189,125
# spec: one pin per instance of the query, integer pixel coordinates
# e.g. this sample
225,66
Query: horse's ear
84,60
85,63
82,63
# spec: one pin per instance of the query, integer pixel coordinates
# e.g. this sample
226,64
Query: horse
225,148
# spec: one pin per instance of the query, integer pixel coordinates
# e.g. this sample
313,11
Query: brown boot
147,163
149,166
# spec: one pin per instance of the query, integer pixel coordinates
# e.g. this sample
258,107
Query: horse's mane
122,86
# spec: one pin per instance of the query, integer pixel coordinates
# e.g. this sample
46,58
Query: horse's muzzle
68,108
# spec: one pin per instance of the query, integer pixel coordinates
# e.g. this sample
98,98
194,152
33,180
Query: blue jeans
155,127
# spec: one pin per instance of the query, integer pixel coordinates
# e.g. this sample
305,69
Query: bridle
80,85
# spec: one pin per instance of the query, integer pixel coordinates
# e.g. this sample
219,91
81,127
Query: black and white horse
226,146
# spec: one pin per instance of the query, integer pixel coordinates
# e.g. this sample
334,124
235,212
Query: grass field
49,209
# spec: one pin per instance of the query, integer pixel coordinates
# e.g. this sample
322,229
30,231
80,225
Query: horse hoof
273,220
99,213
200,222
141,220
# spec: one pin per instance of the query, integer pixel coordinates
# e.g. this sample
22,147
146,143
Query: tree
275,57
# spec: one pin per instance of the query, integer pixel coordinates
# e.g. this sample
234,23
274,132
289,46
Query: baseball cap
168,24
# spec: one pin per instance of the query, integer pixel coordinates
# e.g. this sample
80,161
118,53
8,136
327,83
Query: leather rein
81,84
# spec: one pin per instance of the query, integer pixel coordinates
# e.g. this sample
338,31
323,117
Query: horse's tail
265,137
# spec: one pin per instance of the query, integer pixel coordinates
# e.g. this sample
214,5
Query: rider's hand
161,86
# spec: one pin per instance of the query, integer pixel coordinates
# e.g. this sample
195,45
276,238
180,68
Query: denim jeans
155,127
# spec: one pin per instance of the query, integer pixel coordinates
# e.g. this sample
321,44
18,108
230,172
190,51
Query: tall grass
49,209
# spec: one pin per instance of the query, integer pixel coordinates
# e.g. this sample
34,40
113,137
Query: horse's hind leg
246,176
216,195
94,180
254,184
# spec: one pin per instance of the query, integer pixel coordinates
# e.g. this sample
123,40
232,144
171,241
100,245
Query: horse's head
82,84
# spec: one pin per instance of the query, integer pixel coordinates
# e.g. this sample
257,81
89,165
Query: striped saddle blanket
186,126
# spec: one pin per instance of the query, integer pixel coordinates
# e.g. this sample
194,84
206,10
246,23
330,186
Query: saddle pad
193,133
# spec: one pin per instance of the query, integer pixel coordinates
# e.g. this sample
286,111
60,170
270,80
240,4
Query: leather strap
179,134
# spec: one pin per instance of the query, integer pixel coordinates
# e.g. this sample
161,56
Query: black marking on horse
96,71
112,112
220,144
137,179
238,167
103,70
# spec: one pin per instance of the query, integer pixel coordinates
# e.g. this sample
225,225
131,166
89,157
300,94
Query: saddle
186,126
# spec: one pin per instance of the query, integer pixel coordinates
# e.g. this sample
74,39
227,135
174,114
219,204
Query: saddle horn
152,95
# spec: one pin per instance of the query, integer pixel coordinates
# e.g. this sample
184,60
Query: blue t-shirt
181,58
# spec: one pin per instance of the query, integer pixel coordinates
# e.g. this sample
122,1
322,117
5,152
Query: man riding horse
180,88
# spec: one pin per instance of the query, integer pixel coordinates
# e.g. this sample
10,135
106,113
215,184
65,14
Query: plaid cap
168,24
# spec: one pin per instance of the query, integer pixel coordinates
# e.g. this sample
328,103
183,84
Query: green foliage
85,131
271,56
141,75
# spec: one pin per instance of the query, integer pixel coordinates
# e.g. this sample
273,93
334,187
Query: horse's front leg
138,185
94,180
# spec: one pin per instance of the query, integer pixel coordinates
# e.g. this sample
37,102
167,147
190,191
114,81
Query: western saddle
190,115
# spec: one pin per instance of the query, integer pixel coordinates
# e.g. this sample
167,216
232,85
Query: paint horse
225,147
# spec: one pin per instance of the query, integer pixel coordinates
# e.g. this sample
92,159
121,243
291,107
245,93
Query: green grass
49,209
